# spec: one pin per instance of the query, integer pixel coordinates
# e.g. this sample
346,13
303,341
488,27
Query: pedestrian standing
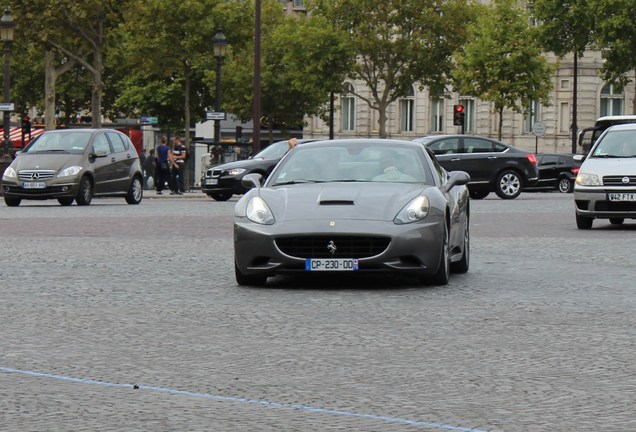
178,159
163,166
149,167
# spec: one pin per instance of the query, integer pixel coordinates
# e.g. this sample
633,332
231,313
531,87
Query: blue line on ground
248,401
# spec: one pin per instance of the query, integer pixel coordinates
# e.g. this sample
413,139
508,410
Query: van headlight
70,171
584,179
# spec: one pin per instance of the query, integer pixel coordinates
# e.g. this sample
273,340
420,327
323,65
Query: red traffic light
459,108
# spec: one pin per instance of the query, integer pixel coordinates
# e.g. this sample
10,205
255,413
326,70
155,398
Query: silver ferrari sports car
353,206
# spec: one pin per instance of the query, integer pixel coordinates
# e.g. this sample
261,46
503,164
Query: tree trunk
188,183
50,76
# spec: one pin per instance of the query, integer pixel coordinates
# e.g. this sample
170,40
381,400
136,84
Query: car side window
499,148
100,144
116,141
445,146
549,160
439,171
476,145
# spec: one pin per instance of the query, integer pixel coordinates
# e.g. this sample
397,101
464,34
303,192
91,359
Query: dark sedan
493,166
222,181
556,171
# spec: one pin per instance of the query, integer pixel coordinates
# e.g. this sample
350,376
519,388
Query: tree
615,34
303,60
398,43
503,62
566,27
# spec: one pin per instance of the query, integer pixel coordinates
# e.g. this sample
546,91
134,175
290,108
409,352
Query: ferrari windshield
60,142
353,161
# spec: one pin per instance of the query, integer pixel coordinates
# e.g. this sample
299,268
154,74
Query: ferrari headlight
585,179
257,211
414,211
9,173
236,171
70,171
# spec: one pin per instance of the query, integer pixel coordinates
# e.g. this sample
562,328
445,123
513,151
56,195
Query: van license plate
331,264
623,196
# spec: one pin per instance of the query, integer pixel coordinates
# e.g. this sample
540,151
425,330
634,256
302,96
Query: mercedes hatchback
75,165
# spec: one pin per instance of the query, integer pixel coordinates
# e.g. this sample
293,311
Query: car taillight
532,158
575,170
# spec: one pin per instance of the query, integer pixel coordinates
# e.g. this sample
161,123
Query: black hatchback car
556,171
493,166
222,181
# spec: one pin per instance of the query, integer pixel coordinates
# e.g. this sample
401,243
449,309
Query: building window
407,114
437,113
564,117
469,113
299,3
533,115
611,102
348,104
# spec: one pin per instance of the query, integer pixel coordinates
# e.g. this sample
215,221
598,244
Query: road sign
215,115
538,129
7,106
149,120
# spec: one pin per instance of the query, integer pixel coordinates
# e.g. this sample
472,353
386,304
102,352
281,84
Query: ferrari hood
362,201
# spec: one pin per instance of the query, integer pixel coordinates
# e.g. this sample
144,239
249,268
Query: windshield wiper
297,181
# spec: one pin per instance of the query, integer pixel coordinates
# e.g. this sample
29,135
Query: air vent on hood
336,202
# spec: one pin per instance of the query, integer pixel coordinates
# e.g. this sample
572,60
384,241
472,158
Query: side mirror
456,178
251,181
578,157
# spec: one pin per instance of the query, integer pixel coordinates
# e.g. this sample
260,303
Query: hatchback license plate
211,182
622,196
331,264
33,185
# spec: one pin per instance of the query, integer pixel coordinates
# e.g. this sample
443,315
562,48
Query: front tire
135,191
616,220
565,185
220,196
462,265
12,202
66,201
508,185
443,272
478,194
85,193
584,223
252,280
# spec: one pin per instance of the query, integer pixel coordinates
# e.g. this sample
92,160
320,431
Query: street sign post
215,116
538,129
149,120
7,106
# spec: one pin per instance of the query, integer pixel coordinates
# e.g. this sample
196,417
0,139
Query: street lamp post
219,43
7,25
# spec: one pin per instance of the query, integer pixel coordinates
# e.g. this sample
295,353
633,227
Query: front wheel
85,193
66,201
617,220
584,223
478,194
12,202
566,185
135,192
443,272
220,196
462,265
508,185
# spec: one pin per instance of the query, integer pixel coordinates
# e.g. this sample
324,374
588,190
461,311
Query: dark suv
222,181
493,166
556,171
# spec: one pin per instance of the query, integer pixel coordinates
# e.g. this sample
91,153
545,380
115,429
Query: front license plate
331,264
211,182
622,196
33,185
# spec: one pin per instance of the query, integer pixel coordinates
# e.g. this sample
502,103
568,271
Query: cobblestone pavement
537,336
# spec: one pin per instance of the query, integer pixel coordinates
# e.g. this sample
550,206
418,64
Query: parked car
493,166
605,186
556,171
75,165
222,181
354,206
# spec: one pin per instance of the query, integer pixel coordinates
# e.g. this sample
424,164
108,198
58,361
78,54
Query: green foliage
565,26
503,62
399,43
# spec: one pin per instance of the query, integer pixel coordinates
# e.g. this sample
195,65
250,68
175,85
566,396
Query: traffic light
26,124
458,115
